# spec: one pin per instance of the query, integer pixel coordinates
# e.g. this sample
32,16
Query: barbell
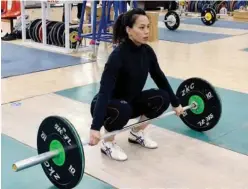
61,152
172,19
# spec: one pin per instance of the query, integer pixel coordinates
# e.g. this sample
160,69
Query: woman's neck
135,42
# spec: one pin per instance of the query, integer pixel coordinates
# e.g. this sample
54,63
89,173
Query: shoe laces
115,146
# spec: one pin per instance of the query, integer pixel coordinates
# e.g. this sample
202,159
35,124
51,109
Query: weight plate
196,5
40,31
61,29
31,28
54,33
174,19
73,37
49,29
37,29
208,16
209,109
63,38
66,169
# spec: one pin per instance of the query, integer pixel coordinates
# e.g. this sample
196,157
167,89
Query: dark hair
124,20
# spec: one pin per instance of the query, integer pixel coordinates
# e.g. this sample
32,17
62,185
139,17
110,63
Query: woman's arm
107,84
160,79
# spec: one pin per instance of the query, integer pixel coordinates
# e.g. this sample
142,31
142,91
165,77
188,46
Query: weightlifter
121,96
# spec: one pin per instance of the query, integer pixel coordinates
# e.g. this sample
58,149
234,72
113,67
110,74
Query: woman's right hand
94,137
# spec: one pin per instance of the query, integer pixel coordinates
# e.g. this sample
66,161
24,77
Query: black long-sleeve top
125,75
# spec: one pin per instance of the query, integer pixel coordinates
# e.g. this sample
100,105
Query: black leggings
151,103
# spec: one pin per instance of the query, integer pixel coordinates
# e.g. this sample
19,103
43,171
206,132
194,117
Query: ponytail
119,29
124,20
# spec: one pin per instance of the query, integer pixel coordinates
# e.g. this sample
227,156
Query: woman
121,96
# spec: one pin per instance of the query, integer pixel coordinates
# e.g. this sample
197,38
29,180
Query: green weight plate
67,168
200,104
57,145
201,91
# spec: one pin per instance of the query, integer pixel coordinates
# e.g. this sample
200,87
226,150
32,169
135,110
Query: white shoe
142,138
112,150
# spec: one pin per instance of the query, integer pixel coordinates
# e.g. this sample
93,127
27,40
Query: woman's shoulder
148,48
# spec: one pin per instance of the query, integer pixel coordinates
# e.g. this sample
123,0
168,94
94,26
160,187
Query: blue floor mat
218,23
20,60
190,37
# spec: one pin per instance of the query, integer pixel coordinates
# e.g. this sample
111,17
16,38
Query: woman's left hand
179,110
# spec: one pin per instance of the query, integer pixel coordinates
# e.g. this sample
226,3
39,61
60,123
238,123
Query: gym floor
37,83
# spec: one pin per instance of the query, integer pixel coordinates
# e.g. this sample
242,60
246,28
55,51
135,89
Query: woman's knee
118,114
158,103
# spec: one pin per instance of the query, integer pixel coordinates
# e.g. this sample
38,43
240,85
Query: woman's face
140,31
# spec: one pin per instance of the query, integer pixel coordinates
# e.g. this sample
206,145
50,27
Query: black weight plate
31,28
70,172
63,38
37,29
192,6
54,34
49,29
40,33
174,18
211,16
212,110
50,42
61,29
196,5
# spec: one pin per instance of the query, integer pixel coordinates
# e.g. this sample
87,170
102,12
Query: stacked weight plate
231,5
55,33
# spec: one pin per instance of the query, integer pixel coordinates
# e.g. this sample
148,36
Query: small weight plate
66,169
73,37
174,19
208,16
208,113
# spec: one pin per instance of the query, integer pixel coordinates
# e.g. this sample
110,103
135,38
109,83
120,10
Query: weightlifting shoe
112,150
142,139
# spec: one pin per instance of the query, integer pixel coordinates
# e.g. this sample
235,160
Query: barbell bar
38,159
208,17
60,148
